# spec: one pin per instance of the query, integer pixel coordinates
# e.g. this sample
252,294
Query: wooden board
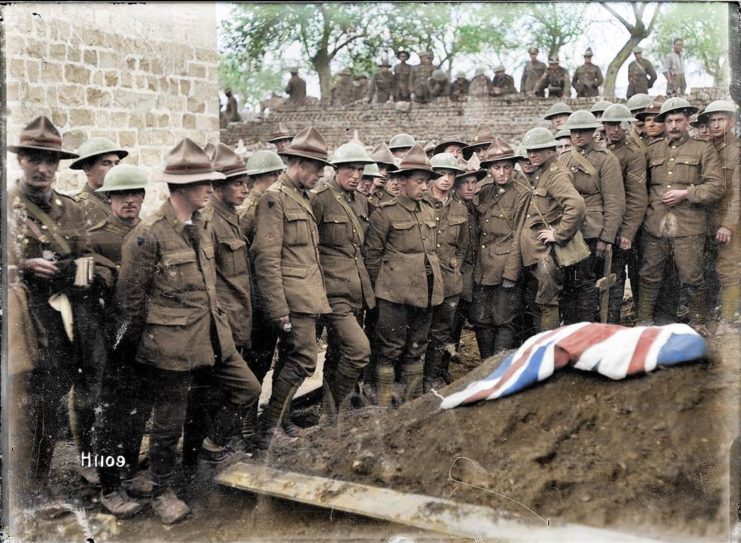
415,510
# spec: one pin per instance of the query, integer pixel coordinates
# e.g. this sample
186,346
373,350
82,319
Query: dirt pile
647,454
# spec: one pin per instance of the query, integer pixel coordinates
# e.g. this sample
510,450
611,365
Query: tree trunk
320,62
734,55
617,63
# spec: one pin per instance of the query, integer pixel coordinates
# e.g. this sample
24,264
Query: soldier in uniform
531,74
700,127
386,163
597,177
370,174
343,92
498,211
295,89
402,73
676,84
684,176
636,104
439,84
587,77
553,214
641,74
405,272
281,138
97,156
459,87
342,217
480,84
563,137
382,84
232,107
400,144
482,138
289,275
362,87
502,83
724,246
420,78
555,79
557,114
450,144
616,120
452,245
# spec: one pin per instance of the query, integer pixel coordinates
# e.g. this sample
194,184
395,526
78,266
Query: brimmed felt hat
479,174
429,148
673,105
415,159
226,161
187,163
41,135
533,51
402,51
427,53
310,144
281,133
498,151
210,150
96,147
382,155
481,138
588,52
553,59
449,140
124,177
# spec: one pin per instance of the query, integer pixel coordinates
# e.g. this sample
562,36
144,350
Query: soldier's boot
412,376
216,448
434,367
729,301
505,339
168,507
549,318
346,377
485,338
120,504
82,420
289,427
615,304
698,301
384,381
649,293
328,413
269,424
249,428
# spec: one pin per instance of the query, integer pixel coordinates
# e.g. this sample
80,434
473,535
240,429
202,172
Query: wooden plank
415,510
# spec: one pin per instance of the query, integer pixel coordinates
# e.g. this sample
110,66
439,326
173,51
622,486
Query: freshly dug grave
647,455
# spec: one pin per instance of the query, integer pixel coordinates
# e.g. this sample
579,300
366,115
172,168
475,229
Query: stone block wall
142,75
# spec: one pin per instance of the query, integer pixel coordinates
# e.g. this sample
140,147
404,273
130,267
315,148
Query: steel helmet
401,141
638,101
521,153
371,170
264,162
445,161
582,120
617,113
675,104
439,75
460,75
96,147
348,153
718,106
600,106
559,108
124,177
538,138
562,133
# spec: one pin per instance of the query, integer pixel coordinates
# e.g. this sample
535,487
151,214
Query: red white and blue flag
609,349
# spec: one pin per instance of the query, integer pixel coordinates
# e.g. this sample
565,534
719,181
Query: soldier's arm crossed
375,242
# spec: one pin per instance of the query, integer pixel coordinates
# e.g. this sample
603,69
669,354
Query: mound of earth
646,455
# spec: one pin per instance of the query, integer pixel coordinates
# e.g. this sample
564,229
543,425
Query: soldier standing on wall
587,77
641,74
295,89
531,74
555,79
382,84
402,73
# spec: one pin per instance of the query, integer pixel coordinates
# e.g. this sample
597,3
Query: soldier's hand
40,267
600,248
723,235
624,243
674,197
546,236
507,283
284,323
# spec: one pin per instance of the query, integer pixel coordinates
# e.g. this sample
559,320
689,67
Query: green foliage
551,25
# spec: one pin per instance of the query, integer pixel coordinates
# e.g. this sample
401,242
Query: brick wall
143,75
509,117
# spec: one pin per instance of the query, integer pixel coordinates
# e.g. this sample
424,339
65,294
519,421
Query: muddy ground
647,455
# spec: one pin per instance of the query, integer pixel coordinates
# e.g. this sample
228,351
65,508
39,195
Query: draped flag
609,349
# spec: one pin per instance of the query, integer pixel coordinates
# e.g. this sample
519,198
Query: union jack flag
609,349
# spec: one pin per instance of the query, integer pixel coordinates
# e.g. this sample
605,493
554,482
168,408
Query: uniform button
501,215
438,245
437,218
528,215
671,159
43,227
674,146
487,220
668,186
669,173
483,246
484,233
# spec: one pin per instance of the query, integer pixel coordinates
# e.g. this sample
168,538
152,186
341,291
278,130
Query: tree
551,25
702,26
247,78
638,31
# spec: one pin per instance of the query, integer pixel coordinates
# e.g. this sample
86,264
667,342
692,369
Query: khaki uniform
361,89
480,85
377,198
343,92
505,83
587,80
459,90
420,83
381,87
556,82
690,165
641,77
402,86
296,91
405,271
498,213
464,303
531,74
94,205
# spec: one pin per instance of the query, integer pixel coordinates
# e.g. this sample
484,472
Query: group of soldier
177,316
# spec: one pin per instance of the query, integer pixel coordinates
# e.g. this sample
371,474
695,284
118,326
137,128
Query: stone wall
509,117
143,75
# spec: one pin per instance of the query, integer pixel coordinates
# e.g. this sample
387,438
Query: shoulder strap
47,221
346,206
582,161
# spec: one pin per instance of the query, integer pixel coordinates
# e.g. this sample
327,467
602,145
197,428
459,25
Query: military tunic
377,198
641,77
531,75
480,85
402,85
343,92
505,83
420,83
381,87
296,91
587,80
459,90
94,205
556,82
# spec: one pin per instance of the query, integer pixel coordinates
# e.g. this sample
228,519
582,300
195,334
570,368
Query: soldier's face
466,189
39,169
654,129
198,194
640,127
364,187
446,180
393,186
582,138
558,121
501,172
348,176
527,167
563,145
678,47
533,57
233,192
415,185
703,132
282,145
378,183
614,132
676,125
96,171
538,156
453,149
587,60
309,172
719,124
126,204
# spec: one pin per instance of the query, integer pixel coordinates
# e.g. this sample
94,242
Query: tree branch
654,18
619,17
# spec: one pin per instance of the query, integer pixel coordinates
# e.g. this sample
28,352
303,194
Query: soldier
429,148
480,84
641,74
342,217
405,272
531,74
700,127
587,77
557,114
553,214
724,247
482,138
526,168
636,104
97,156
400,144
295,89
498,211
555,79
596,176
439,84
684,175
616,119
289,276
385,162
502,83
459,87
382,84
674,70
232,107
452,245
343,92
563,137
281,138
450,144
419,78
370,174
402,73
362,87
596,110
